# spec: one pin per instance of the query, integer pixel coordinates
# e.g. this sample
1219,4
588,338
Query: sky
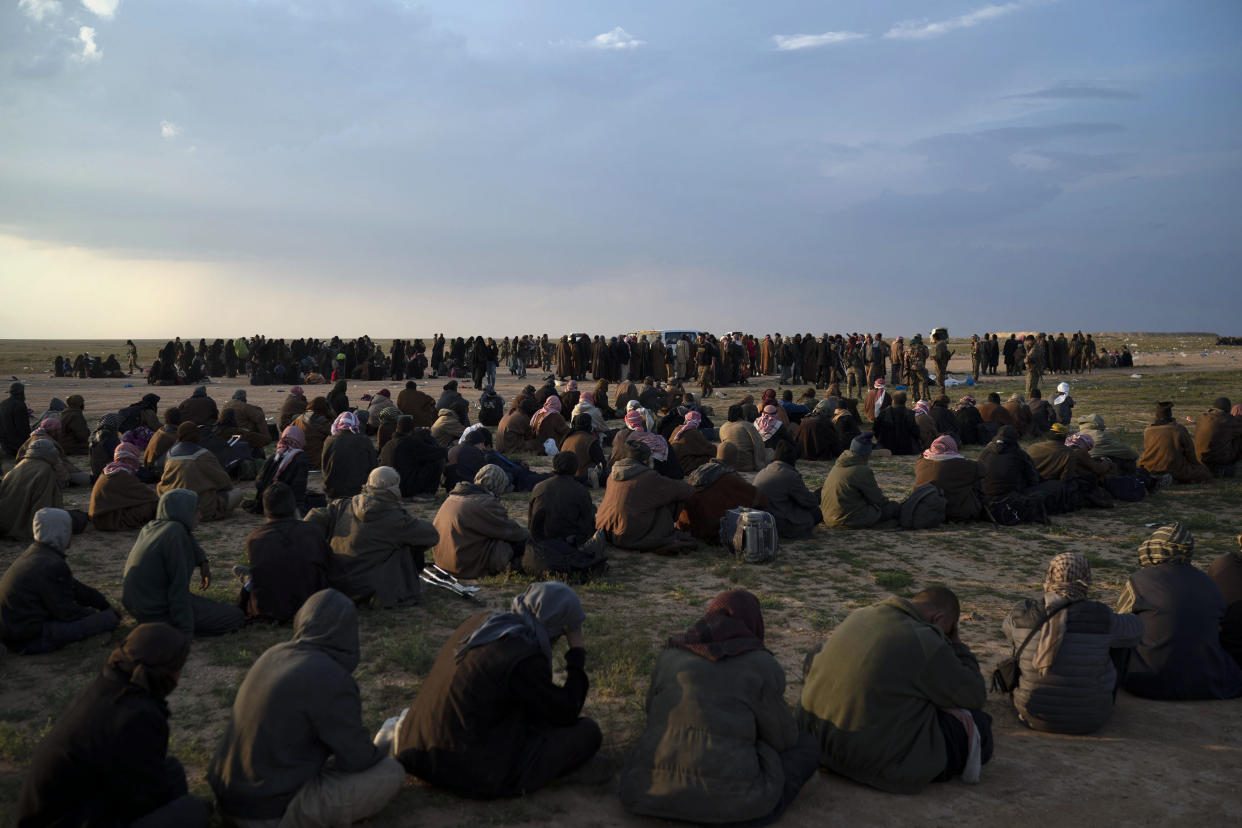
320,167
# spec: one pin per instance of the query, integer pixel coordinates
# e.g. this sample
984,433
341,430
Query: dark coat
473,719
816,438
1180,656
700,515
1007,469
14,423
294,476
38,587
348,459
298,705
897,430
960,480
969,424
105,761
794,507
418,458
1226,571
289,561
561,508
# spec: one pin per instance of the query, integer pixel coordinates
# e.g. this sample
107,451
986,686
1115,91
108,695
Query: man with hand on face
894,697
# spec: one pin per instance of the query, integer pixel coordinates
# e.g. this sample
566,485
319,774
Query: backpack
750,534
555,558
924,508
1013,509
1127,487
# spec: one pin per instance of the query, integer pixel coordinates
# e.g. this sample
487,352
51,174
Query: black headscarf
150,657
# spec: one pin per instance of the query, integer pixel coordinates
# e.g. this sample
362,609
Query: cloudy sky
346,166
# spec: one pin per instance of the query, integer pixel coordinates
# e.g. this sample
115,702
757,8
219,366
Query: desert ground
1154,763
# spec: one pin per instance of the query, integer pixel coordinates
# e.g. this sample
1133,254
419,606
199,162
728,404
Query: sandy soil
1154,763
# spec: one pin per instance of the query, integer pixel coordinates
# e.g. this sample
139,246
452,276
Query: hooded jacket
1007,469
298,705
156,583
347,460
29,487
1106,445
74,433
38,586
637,510
192,467
851,497
377,547
14,419
475,532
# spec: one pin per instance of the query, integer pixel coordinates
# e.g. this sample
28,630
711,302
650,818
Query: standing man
941,357
706,360
976,348
899,357
879,359
132,350
916,368
1034,364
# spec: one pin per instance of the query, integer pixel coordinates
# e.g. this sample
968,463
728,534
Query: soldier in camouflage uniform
916,368
1034,364
899,357
855,372
976,355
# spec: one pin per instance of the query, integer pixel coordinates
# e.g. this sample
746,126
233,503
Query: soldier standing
916,368
854,371
879,359
941,356
1034,364
899,356
976,354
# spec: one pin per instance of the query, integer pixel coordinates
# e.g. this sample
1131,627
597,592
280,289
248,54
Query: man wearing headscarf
1226,571
14,419
477,536
720,745
817,438
377,547
877,400
29,487
693,449
193,467
287,560
156,582
851,498
119,500
895,697
1053,459
66,473
1168,449
448,428
488,720
548,424
1218,439
289,465
959,479
561,507
105,761
1105,445
42,606
1181,608
1075,651
297,707
348,457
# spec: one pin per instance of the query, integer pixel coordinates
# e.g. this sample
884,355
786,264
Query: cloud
89,51
618,38
1069,91
792,43
103,8
38,9
169,130
924,30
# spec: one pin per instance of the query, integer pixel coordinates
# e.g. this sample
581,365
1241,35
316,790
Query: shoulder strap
1018,652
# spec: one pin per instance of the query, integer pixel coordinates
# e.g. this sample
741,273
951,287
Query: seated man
287,560
290,466
876,401
119,500
467,456
74,433
717,489
749,453
488,721
851,497
896,428
561,507
105,761
447,429
1076,654
1020,412
1106,446
514,434
1168,449
199,408
156,583
417,457
67,474
969,423
1181,608
250,419
293,407
14,420
417,404
162,440
477,536
960,479
1052,458
693,449
1042,413
583,443
348,457
895,698
993,412
1218,438
190,466
1226,571
29,487
42,606
297,707
720,744
639,505
377,547
794,507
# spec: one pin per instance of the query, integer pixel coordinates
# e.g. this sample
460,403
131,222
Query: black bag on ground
924,508
551,557
1013,509
1127,487
1007,674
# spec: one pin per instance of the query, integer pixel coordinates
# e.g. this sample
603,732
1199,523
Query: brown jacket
250,419
514,434
693,449
121,501
639,505
199,471
1167,447
1053,460
960,479
477,536
552,425
418,405
701,514
74,434
1218,437
751,455
317,430
292,408
161,441
30,486
996,413
1021,416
